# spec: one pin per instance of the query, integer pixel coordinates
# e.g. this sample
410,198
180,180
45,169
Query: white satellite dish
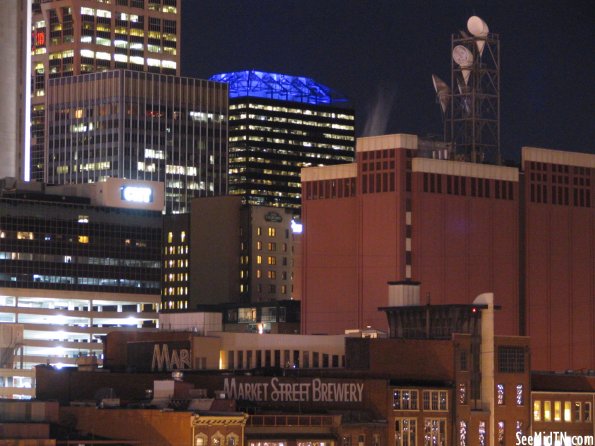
478,28
464,58
442,92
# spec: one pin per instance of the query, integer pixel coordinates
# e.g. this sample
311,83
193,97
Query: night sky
381,54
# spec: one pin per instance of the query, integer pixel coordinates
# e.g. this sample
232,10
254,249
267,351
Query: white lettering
137,194
279,391
163,361
553,438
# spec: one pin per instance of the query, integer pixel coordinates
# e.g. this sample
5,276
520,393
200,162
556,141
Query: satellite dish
442,92
464,58
478,28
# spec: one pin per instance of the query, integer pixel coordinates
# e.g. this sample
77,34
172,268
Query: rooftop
277,86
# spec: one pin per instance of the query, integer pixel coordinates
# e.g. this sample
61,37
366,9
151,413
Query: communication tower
471,105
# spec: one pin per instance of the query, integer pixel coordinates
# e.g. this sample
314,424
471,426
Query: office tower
459,229
70,37
227,252
75,263
142,126
14,37
277,125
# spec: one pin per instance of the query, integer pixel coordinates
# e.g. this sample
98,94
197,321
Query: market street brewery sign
279,390
159,356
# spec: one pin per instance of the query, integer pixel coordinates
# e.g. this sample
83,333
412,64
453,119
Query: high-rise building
277,125
14,35
75,263
227,252
460,229
71,37
142,126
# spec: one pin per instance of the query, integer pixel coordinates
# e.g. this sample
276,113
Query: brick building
400,212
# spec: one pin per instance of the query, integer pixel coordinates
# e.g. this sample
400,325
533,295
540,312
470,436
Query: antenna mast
473,117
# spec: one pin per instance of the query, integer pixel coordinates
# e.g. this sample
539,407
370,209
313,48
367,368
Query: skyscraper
277,125
142,126
70,37
14,33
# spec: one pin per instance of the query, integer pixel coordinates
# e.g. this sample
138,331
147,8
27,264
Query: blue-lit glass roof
282,87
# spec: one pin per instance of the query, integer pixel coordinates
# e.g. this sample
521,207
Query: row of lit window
75,280
271,274
434,430
180,263
270,260
292,121
293,110
175,291
518,398
172,250
81,260
289,141
170,239
407,399
271,246
566,411
174,305
179,277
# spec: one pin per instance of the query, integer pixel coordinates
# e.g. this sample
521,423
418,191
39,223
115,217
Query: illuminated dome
282,87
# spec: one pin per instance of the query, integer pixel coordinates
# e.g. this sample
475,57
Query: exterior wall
330,271
465,235
214,251
559,263
299,351
151,427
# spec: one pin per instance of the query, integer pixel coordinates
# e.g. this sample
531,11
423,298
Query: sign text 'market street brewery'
315,390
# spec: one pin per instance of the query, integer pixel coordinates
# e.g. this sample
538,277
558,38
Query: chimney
403,293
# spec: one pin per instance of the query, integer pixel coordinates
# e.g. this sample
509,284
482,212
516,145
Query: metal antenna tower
472,121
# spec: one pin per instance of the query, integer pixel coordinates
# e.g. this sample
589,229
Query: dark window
511,359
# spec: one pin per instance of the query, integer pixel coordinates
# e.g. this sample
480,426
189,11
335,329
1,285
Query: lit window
482,433
183,236
462,393
557,411
462,433
567,411
435,399
405,432
272,232
501,433
577,411
170,237
500,394
272,260
259,231
258,260
83,239
435,431
536,410
547,411
520,399
405,399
